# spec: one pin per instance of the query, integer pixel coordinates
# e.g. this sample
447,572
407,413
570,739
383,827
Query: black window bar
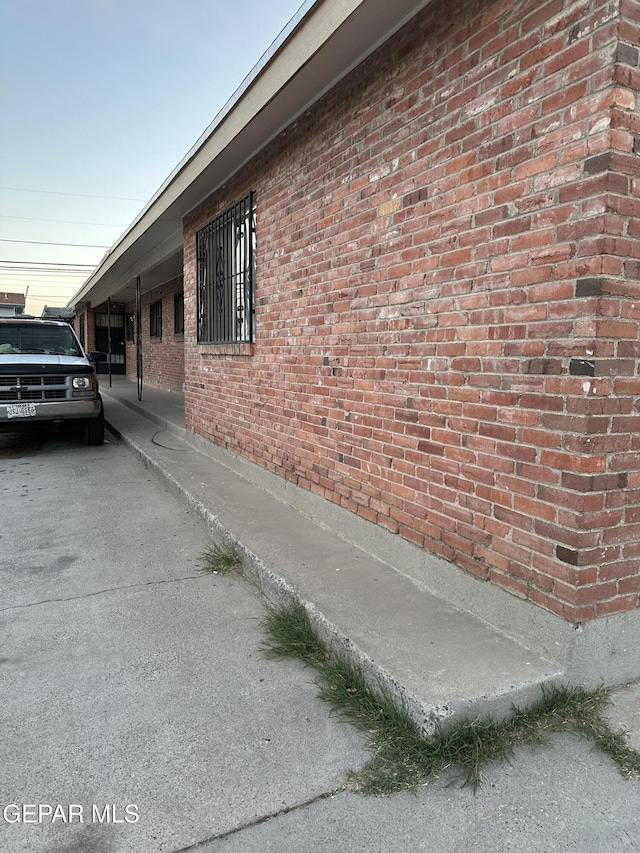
226,271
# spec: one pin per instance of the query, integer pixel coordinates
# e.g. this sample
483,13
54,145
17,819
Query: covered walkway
164,408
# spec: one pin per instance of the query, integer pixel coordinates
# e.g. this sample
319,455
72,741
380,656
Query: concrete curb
278,592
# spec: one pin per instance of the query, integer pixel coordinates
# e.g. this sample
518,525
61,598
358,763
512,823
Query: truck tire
93,432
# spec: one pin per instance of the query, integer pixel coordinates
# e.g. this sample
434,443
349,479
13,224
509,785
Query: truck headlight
82,383
84,386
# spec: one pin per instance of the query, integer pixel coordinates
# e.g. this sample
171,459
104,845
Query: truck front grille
33,389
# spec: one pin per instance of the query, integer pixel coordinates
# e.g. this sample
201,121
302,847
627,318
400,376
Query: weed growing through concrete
403,759
221,560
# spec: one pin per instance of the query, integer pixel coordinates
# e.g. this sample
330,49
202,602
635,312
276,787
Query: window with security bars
155,319
226,275
178,314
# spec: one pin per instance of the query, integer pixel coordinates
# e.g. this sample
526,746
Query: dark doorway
118,348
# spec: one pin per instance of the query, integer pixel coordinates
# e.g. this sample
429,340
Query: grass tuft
291,636
221,560
402,758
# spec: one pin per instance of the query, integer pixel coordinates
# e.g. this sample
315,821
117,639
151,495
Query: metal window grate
178,314
155,319
226,275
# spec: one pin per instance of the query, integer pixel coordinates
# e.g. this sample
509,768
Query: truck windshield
23,338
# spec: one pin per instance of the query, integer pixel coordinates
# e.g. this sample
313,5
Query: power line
43,243
46,264
53,294
62,221
49,294
36,275
26,268
76,195
42,277
48,286
10,268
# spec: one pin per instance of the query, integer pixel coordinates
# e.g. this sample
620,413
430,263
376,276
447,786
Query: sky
99,102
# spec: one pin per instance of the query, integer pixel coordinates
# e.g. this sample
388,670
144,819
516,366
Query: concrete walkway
442,662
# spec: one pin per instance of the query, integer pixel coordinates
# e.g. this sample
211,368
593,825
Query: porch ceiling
323,43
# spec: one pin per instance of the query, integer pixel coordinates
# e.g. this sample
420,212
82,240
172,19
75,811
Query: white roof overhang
322,43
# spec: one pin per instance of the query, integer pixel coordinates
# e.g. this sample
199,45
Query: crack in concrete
263,819
98,592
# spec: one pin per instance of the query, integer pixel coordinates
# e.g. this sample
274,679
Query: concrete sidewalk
441,661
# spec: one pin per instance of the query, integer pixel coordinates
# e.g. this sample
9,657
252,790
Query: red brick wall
447,301
162,358
89,326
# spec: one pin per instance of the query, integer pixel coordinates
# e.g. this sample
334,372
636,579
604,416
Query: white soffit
324,42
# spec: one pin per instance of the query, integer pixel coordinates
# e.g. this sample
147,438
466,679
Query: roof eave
321,45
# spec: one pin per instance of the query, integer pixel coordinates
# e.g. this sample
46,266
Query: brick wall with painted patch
162,340
447,299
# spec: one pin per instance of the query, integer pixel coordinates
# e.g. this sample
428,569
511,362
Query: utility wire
44,267
43,243
72,281
46,264
29,268
41,276
51,294
62,221
77,195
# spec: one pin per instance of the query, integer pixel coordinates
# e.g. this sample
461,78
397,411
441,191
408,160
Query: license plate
21,410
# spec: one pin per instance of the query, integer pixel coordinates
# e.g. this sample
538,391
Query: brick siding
89,326
162,358
447,302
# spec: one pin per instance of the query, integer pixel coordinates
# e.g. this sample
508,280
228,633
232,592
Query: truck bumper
17,414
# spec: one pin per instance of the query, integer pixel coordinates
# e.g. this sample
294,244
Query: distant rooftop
55,313
13,299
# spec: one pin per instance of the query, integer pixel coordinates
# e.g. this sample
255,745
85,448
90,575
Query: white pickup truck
46,376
